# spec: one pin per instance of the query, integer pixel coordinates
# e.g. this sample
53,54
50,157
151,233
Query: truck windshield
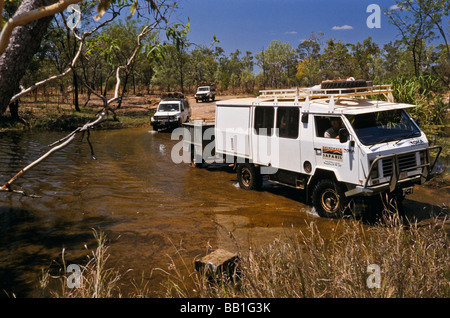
373,128
168,107
203,89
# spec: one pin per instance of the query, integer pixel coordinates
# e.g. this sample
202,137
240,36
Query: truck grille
162,117
405,163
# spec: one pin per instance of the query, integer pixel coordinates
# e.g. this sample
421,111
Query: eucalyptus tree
418,23
279,60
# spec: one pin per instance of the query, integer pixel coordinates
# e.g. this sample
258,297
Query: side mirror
343,135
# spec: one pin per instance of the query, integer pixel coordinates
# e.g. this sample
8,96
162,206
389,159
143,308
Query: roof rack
300,93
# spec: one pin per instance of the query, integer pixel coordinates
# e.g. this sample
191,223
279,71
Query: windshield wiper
387,139
410,135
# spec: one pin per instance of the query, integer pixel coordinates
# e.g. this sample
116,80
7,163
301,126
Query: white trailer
335,144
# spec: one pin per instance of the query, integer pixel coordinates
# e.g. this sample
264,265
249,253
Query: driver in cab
333,131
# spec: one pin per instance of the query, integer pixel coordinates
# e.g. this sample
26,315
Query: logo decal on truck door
332,153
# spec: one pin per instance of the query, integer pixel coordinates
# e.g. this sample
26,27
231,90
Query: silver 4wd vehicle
205,93
335,145
171,113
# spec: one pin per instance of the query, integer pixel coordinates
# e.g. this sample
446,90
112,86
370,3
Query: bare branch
144,32
58,145
72,63
101,116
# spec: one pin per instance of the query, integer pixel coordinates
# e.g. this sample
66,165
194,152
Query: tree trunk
14,110
24,43
75,91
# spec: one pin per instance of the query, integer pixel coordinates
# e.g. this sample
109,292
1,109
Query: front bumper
162,121
399,177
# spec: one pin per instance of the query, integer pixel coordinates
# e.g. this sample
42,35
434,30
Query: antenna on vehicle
331,104
306,104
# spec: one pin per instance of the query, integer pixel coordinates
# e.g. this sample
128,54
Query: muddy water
148,206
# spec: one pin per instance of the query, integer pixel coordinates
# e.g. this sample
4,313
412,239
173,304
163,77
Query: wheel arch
319,174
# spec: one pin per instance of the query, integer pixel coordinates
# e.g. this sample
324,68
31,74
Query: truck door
287,134
330,153
262,132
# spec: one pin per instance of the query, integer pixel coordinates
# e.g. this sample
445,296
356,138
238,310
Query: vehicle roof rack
301,93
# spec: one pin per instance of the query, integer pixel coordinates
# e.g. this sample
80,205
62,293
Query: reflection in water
148,206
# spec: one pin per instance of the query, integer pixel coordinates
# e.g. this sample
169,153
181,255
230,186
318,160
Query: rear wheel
249,176
328,199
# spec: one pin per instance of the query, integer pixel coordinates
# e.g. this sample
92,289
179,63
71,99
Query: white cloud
394,7
291,32
342,27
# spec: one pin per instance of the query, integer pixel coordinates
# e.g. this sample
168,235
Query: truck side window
288,121
264,118
323,123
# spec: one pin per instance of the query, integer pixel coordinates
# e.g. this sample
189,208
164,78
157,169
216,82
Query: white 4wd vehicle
331,144
171,113
205,93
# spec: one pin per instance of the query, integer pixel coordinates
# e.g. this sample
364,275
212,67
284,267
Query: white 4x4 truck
335,145
171,112
205,93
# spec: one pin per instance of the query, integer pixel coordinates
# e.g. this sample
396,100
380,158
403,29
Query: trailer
333,143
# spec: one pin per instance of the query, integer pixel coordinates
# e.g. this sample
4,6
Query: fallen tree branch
58,145
102,115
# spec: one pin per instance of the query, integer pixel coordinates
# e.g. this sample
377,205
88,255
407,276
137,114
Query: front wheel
249,176
328,199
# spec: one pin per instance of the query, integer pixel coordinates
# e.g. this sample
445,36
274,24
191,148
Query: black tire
249,176
343,84
155,127
328,199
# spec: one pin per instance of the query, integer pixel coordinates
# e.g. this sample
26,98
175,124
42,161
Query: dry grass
413,262
98,280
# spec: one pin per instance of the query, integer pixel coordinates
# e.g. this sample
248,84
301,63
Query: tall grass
414,262
97,279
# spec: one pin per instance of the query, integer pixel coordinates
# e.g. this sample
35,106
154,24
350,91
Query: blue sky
253,24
